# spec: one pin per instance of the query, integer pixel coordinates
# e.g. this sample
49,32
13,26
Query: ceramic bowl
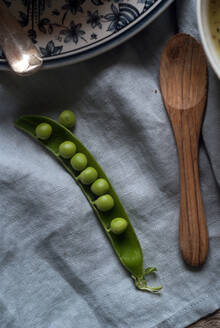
68,31
205,34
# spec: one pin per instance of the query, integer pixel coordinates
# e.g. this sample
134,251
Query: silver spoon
22,55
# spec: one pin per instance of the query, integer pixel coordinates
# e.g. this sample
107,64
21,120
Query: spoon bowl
22,55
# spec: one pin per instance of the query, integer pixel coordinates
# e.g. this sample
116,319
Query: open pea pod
126,245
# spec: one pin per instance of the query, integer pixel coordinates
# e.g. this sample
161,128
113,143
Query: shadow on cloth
47,252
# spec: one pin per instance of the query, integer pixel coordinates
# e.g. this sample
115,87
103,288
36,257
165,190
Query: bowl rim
205,36
105,46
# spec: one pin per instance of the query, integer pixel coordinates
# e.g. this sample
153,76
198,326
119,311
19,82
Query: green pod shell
126,245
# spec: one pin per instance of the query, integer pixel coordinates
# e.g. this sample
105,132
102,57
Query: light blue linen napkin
57,268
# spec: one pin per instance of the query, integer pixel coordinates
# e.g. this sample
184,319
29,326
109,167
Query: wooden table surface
212,321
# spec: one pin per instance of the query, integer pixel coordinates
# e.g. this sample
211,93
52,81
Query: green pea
88,176
79,162
118,225
43,131
104,203
67,149
67,118
100,187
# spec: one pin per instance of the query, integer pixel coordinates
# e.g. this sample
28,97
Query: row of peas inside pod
88,175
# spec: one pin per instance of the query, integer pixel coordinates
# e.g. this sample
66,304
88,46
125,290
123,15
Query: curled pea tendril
141,283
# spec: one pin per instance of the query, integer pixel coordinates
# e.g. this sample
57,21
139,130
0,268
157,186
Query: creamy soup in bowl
214,22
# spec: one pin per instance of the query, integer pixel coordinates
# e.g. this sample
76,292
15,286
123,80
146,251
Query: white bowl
205,34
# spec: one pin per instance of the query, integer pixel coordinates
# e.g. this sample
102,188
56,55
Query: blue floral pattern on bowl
60,28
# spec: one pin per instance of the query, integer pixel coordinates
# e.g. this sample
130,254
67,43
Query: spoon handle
193,232
22,55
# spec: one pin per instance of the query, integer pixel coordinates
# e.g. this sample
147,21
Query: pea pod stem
126,246
141,283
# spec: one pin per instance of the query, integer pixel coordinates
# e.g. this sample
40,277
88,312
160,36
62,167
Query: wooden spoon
183,81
